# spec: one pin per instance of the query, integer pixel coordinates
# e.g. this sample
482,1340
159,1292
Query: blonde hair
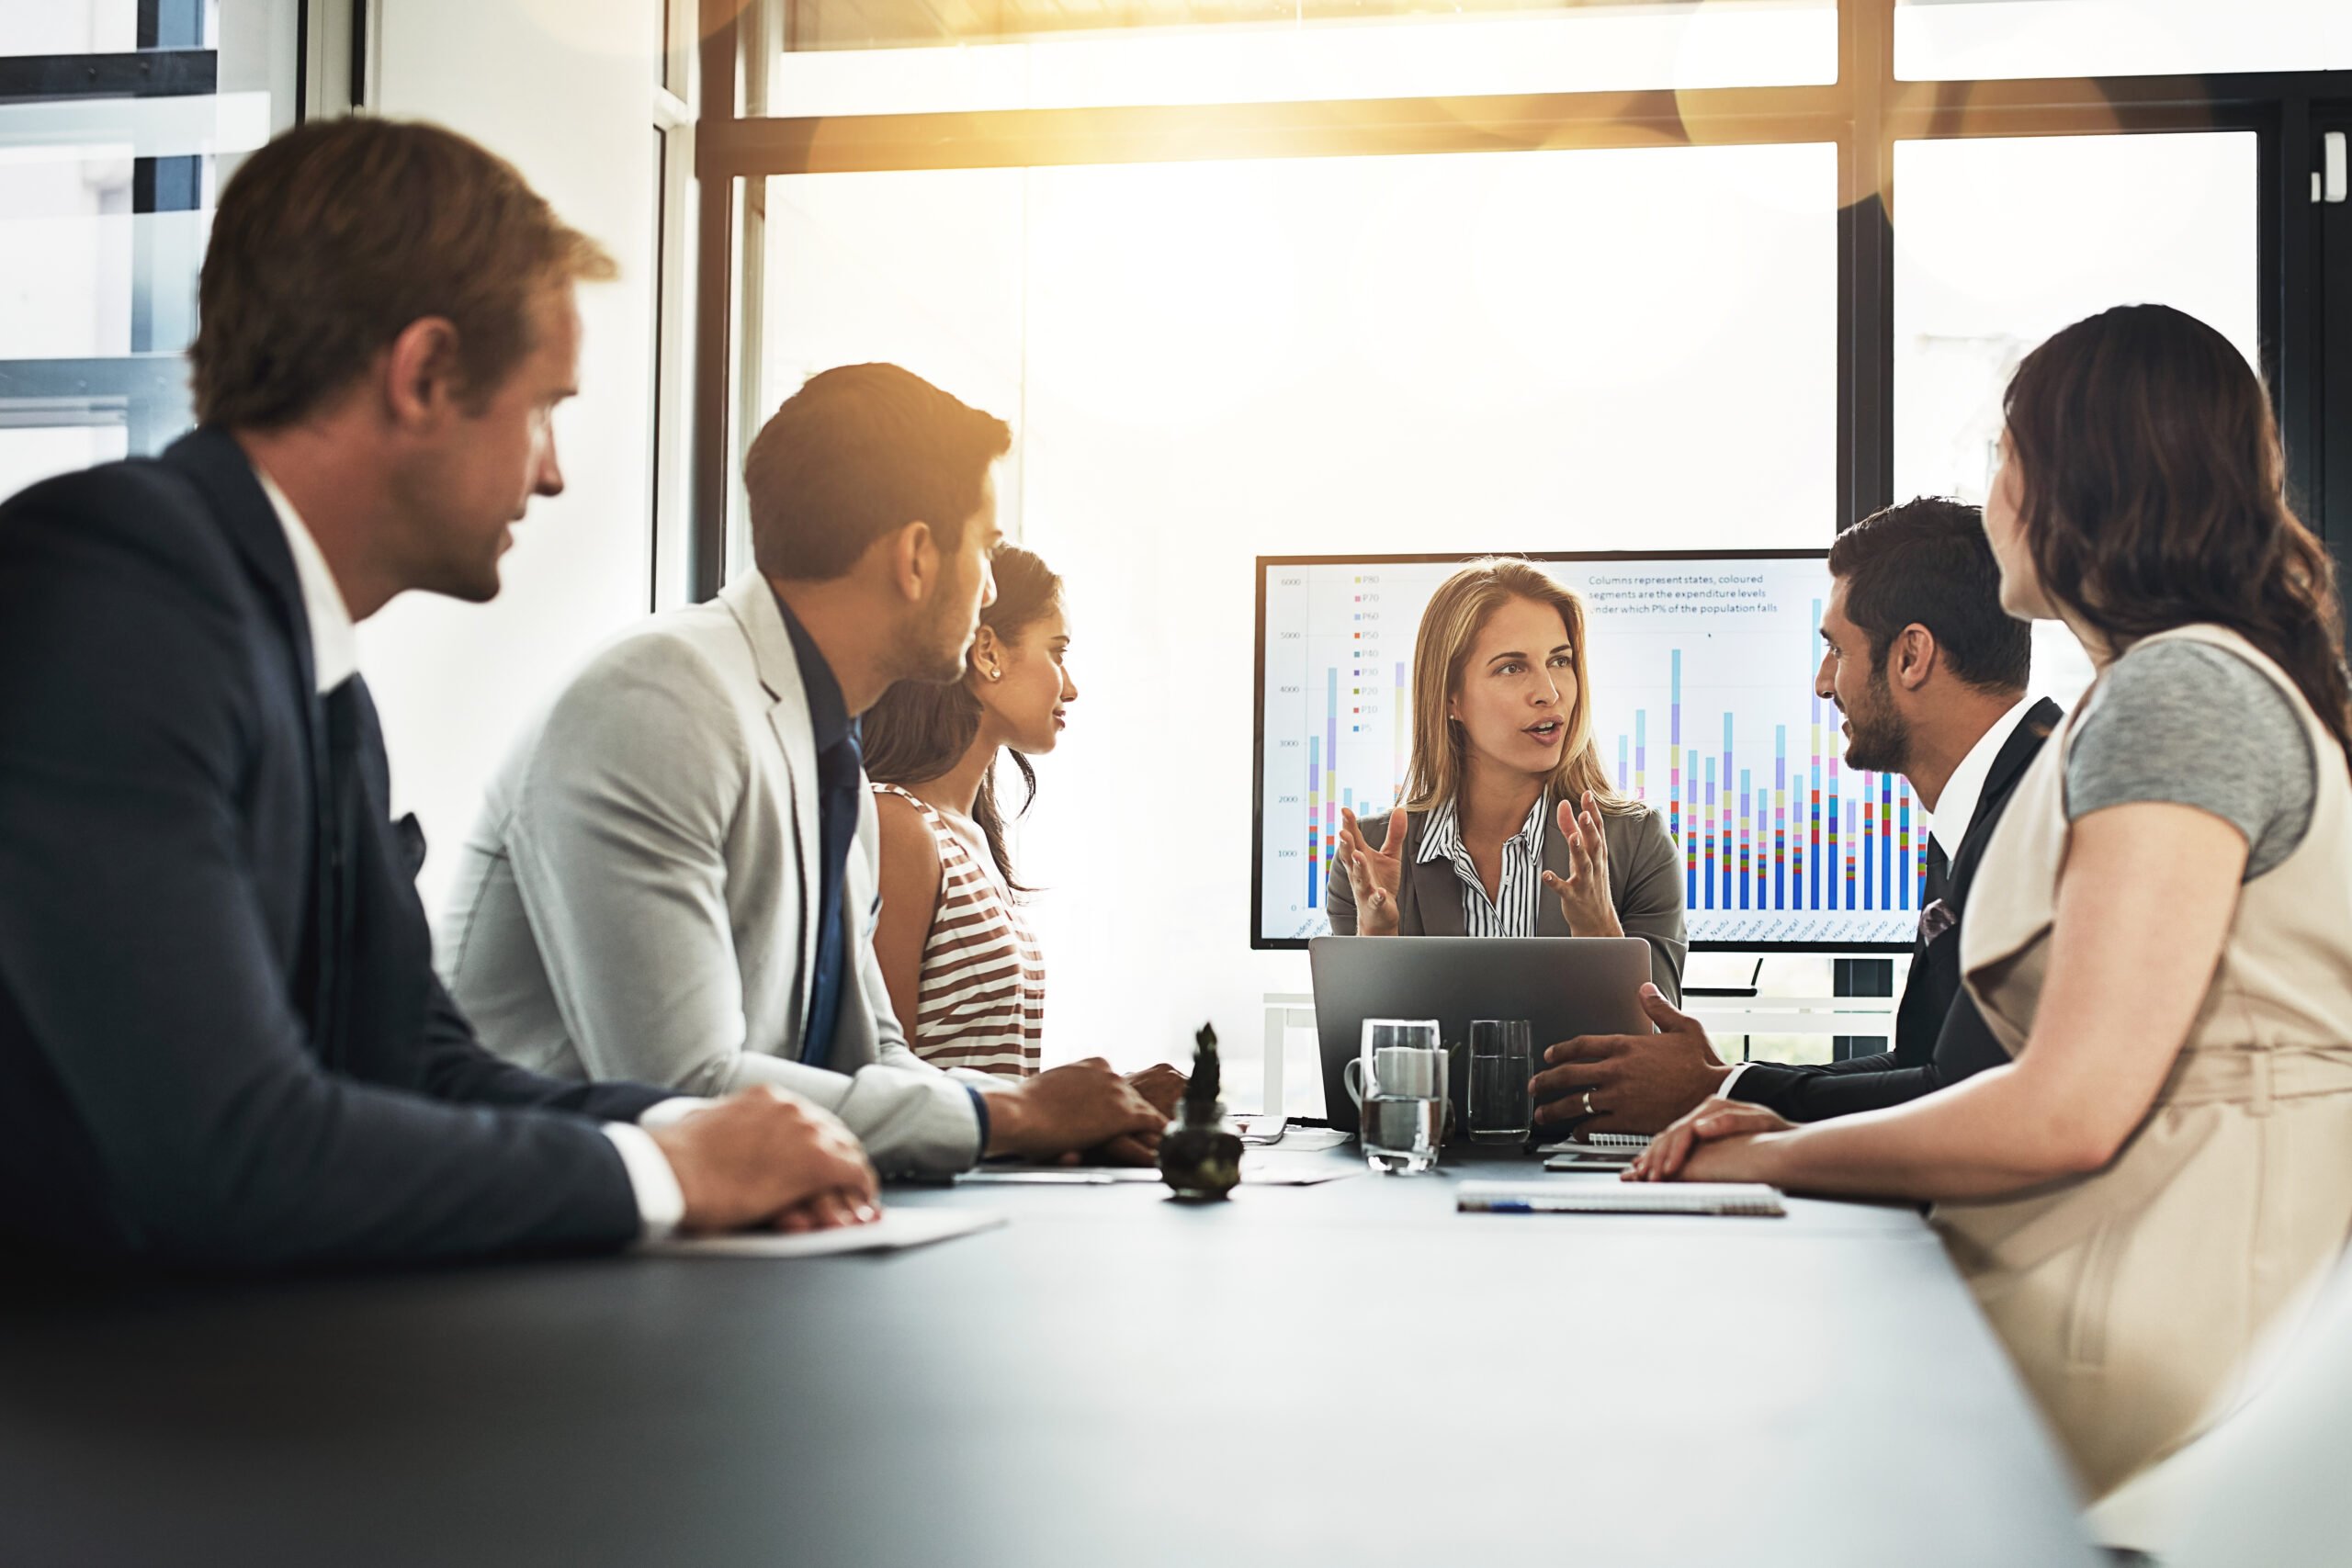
1457,612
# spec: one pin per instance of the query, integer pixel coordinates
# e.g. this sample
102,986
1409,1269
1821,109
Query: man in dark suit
1931,675
221,1041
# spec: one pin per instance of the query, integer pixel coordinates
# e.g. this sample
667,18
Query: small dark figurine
1200,1156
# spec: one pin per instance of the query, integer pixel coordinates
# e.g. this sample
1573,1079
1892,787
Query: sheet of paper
1312,1138
1259,1169
1056,1175
896,1229
1273,1170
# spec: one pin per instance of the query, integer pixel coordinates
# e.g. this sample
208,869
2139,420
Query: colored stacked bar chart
1759,850
1702,705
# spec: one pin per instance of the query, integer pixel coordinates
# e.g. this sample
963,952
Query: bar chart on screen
1702,705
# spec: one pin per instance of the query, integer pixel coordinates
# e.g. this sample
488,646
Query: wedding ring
1587,1102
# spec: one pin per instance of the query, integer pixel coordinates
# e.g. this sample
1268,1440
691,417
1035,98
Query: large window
843,56
2001,241
1494,277
118,120
1948,39
1211,361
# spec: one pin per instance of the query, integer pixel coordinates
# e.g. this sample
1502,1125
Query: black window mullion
715,284
2324,392
2290,303
1865,265
163,264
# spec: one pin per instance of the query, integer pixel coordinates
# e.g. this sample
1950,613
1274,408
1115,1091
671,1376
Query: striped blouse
981,1002
1513,912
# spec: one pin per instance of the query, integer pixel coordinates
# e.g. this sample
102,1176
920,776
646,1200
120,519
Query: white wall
561,88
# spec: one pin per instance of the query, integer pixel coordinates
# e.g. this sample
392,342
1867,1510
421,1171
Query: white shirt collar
334,642
1956,807
1442,840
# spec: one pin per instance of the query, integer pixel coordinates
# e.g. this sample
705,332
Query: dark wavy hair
2155,497
921,729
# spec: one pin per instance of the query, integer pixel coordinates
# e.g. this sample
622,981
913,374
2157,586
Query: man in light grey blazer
674,878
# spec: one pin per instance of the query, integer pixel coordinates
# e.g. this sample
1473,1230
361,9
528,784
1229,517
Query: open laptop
1562,986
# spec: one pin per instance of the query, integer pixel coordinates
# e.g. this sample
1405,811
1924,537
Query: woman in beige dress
2161,932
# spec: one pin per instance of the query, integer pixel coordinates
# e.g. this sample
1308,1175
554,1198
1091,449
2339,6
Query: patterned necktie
1935,915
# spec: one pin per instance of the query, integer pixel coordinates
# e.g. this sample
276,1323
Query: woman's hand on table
1722,1140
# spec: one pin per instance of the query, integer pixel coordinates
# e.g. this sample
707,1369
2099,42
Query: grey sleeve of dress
2194,724
1645,883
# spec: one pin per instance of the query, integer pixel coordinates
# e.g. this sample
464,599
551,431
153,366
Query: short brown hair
1927,562
858,452
333,239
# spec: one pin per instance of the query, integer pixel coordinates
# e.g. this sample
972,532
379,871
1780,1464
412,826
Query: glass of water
1503,1058
1399,1080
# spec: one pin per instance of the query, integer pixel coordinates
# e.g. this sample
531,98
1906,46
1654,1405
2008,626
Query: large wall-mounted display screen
1702,670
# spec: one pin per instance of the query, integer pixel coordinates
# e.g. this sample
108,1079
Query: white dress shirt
1955,809
335,658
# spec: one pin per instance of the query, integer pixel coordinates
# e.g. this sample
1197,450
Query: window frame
144,390
1865,112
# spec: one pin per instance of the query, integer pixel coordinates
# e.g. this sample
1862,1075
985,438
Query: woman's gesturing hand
1585,900
1375,874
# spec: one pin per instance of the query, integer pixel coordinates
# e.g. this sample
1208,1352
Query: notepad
1618,1198
1634,1143
895,1231
1592,1159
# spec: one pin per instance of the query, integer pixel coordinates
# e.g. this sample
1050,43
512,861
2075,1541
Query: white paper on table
1259,1169
1056,1175
896,1230
1309,1139
1270,1169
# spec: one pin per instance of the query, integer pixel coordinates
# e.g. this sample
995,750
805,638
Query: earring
995,673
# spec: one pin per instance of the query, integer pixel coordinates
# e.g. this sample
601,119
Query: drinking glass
1503,1058
1399,1080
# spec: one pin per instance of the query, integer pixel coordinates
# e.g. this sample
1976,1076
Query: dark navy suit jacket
1939,1037
221,1040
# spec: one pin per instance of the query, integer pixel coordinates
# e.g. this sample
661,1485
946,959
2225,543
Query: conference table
1349,1372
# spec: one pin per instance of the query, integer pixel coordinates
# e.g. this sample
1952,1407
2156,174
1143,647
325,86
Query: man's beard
926,656
1880,742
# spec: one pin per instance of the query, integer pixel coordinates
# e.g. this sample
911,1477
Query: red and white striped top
983,998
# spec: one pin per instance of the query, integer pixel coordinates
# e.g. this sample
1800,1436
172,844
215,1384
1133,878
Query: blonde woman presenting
1509,825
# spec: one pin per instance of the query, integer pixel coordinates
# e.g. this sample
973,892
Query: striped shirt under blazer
981,998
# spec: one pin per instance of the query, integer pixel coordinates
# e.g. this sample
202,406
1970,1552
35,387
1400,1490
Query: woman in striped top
964,973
